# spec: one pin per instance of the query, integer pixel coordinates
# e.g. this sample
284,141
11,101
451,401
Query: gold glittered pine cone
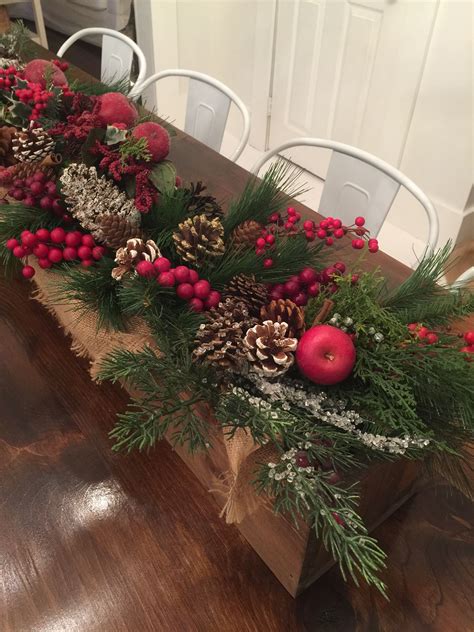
199,238
6,153
269,350
245,288
134,251
285,311
202,204
219,341
23,170
32,144
117,230
246,234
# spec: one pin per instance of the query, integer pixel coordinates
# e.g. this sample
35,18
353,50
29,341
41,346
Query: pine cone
220,340
246,234
118,230
199,238
244,288
6,62
134,251
32,144
6,154
23,170
91,197
269,349
285,311
200,204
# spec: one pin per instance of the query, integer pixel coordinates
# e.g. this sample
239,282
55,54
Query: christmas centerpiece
235,327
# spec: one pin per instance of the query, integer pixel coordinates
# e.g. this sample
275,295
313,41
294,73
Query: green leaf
114,135
163,176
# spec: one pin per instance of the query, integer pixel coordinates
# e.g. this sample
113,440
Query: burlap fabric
88,341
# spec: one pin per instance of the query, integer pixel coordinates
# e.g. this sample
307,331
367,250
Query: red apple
157,137
325,355
114,107
38,70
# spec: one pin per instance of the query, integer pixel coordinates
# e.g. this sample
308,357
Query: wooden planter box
293,554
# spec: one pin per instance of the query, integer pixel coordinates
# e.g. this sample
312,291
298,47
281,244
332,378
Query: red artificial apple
114,107
39,70
157,137
325,355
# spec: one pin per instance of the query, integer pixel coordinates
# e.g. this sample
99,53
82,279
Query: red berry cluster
55,246
62,65
469,347
422,333
327,229
8,77
37,190
35,96
189,287
309,283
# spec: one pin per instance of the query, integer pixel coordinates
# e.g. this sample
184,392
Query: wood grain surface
91,541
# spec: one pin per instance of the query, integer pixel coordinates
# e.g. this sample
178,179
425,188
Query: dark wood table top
92,541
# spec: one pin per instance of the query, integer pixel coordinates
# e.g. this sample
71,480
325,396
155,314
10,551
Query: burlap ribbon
91,342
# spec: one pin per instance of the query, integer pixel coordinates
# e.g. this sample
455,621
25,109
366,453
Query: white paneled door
349,71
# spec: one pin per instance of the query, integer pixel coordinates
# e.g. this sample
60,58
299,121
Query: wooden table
91,541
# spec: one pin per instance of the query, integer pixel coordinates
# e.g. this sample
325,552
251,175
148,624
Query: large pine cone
245,288
23,170
133,252
199,238
285,311
32,144
269,349
117,230
220,340
201,204
246,234
6,153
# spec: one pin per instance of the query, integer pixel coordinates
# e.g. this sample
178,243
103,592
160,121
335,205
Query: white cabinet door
349,71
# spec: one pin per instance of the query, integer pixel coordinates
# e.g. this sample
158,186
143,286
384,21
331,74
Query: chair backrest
466,277
117,54
207,107
359,183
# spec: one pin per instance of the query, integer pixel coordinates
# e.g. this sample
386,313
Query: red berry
276,295
373,248
469,337
28,272
337,223
423,332
341,266
213,299
300,299
29,240
196,305
55,255
329,241
301,459
18,183
270,239
268,263
354,279
307,276
39,176
18,194
310,236
308,225
274,217
58,206
41,251
468,349
84,252
70,253
359,221
144,269
37,187
88,240
98,252
358,244
58,235
412,326
298,216
338,233
260,243
291,288
44,263
293,219
314,289
291,211
193,277
321,233
288,225
19,252
431,338
12,243
46,202
87,263
259,251
166,279
43,234
181,274
162,264
185,291
73,239
202,289
29,200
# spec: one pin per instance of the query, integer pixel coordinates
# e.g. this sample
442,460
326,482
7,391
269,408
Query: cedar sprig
136,148
96,88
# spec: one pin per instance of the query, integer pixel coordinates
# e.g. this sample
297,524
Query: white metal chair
464,278
117,54
359,183
207,107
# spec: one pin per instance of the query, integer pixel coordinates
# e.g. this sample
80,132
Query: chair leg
39,22
4,19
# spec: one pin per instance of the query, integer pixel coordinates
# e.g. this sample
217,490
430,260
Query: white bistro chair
207,107
117,54
359,183
464,278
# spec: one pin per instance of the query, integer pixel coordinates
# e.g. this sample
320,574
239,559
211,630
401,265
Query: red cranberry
307,276
143,268
84,252
196,305
55,255
28,272
202,289
185,291
166,279
300,299
70,253
73,239
181,274
162,264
